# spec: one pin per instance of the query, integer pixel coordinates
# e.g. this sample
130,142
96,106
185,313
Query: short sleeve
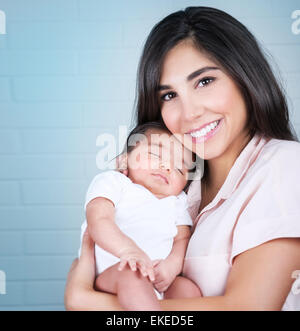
272,207
108,185
182,215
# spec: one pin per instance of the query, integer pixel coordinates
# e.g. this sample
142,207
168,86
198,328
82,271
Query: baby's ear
121,162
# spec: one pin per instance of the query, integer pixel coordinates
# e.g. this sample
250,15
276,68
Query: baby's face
160,163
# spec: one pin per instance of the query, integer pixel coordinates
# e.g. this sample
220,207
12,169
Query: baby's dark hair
141,130
134,137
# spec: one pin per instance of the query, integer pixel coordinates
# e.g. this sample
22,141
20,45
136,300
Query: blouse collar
239,169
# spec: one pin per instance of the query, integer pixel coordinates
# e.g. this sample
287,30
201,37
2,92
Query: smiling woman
211,84
208,81
199,110
203,75
228,47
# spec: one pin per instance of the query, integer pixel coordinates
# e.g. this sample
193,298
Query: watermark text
2,283
296,24
149,151
2,22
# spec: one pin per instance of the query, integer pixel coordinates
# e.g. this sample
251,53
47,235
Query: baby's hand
164,273
137,259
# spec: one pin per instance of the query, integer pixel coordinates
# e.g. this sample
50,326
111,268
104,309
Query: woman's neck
219,168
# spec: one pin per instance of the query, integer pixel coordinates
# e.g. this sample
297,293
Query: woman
201,68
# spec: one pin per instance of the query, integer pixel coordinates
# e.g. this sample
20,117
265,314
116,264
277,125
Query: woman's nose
191,108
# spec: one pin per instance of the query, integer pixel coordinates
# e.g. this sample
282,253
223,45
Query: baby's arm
100,215
166,270
177,254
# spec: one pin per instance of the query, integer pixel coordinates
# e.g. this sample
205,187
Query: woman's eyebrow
189,77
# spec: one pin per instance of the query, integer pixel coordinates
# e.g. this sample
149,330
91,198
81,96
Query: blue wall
67,72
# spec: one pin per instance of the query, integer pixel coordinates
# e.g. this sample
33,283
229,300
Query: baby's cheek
153,164
178,185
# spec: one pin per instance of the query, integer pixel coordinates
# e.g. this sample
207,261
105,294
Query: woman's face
194,93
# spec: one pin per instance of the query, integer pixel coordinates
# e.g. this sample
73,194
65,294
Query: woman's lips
203,126
208,135
161,177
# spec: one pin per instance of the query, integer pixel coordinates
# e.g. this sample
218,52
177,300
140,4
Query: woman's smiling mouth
204,133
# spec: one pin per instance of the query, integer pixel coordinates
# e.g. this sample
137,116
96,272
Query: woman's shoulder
277,164
282,144
282,151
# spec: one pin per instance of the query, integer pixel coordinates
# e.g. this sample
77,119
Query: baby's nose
164,166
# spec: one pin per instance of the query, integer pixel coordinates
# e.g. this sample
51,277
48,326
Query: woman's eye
201,83
205,81
168,96
180,171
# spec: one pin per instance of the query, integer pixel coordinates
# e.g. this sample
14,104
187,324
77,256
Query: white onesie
149,221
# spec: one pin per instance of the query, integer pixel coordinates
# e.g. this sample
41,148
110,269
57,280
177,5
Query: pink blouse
259,201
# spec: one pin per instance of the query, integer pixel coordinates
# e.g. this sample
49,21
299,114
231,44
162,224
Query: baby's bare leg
182,288
134,291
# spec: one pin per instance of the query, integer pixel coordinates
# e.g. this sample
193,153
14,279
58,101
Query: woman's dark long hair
228,43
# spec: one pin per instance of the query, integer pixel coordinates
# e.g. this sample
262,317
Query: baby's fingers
161,286
155,263
132,264
122,265
146,270
142,268
150,273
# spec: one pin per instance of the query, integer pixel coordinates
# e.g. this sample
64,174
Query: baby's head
155,159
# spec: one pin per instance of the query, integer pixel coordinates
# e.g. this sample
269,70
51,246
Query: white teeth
205,130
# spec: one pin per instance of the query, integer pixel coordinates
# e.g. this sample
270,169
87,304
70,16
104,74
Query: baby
140,223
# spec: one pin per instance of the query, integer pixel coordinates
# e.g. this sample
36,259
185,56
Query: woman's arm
79,291
260,279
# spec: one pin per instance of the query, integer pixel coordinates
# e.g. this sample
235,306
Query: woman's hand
81,277
80,293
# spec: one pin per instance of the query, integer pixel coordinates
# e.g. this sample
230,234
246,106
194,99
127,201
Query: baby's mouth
162,177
